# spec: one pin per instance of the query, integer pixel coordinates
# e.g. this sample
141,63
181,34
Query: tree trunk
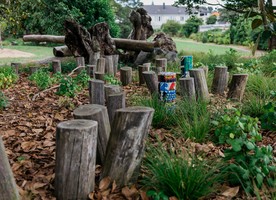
56,66
76,142
114,102
99,76
187,88
101,65
62,51
200,84
44,38
151,81
219,80
135,45
96,92
237,86
126,75
99,114
126,145
8,187
141,69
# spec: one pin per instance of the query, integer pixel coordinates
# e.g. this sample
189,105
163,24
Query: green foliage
253,105
211,20
230,58
82,79
110,79
268,119
268,63
171,27
42,79
192,119
7,77
250,165
178,174
157,195
191,26
68,66
68,87
260,85
3,100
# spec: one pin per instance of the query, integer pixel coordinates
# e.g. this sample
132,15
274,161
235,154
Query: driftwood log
126,144
187,88
237,86
151,80
61,51
201,87
96,92
76,144
219,80
99,114
8,187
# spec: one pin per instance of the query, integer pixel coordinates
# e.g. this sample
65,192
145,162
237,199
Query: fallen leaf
104,184
231,192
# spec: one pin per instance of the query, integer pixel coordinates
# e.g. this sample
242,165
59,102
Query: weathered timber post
115,101
160,69
99,76
237,86
96,92
126,144
101,65
206,70
111,89
99,114
76,144
91,70
80,62
56,66
33,69
200,84
115,63
220,80
147,65
187,88
126,75
8,188
141,69
161,62
16,66
109,67
151,81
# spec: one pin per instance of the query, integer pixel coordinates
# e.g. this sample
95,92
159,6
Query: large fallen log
44,38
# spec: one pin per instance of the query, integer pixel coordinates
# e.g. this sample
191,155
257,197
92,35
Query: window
159,18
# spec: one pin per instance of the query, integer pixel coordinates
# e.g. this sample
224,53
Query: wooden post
33,69
94,57
126,75
141,69
8,188
99,114
80,62
219,80
111,89
160,69
237,86
91,70
56,66
76,143
96,92
206,70
161,62
126,144
16,66
151,81
99,76
115,101
147,65
187,88
101,65
109,68
200,84
115,63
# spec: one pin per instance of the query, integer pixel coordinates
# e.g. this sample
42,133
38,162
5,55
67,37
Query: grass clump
179,175
41,78
3,100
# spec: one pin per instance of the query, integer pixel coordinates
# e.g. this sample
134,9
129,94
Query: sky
168,2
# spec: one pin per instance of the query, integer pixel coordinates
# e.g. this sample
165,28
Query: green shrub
230,58
253,105
112,80
68,87
7,77
180,175
171,27
3,100
192,119
67,67
260,85
41,78
268,63
268,119
82,79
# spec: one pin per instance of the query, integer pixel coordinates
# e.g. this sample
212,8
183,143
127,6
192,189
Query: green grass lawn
192,46
40,52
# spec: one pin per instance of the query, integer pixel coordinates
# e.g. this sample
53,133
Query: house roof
169,10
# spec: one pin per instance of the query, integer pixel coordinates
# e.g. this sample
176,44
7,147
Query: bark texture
237,86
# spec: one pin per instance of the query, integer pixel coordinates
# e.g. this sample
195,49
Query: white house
161,13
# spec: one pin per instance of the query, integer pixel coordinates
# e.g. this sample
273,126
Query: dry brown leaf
26,146
105,192
59,117
173,198
143,195
114,186
104,184
37,131
231,192
91,195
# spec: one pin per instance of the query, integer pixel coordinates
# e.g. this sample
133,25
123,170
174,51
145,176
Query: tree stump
115,63
33,69
111,89
56,66
100,65
99,76
151,80
15,67
76,142
80,61
91,70
115,101
8,187
148,65
161,62
141,69
126,75
126,144
96,92
109,67
206,70
200,84
219,80
187,88
237,86
99,114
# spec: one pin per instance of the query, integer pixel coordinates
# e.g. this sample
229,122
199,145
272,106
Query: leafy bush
178,174
171,27
268,119
211,20
3,100
230,58
82,79
7,77
68,87
112,80
191,26
260,85
253,105
41,78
